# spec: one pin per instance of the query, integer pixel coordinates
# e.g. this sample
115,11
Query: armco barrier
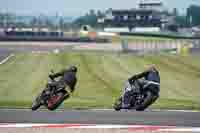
157,35
179,46
61,39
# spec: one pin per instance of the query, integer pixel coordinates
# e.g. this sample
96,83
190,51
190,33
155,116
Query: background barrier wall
182,47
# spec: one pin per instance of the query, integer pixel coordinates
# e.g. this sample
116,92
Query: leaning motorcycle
137,97
53,97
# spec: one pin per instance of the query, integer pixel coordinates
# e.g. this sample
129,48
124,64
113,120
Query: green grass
100,78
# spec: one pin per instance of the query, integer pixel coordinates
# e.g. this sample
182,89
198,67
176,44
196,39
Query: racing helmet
73,68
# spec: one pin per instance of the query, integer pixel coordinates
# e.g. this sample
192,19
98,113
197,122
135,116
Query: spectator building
149,16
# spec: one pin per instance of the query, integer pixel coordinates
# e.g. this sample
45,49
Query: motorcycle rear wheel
149,98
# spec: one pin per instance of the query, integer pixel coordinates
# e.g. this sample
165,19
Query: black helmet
73,68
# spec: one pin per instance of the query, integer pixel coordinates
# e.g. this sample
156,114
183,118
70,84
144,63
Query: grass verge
100,78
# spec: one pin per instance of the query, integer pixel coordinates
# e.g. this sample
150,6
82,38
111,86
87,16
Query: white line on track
6,59
181,130
103,126
80,125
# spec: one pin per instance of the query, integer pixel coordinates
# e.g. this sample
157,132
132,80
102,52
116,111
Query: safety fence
184,47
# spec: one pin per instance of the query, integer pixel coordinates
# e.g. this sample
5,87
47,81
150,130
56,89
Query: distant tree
61,23
49,24
100,14
38,22
92,12
67,26
80,21
41,22
88,19
20,25
166,12
1,19
181,21
175,12
34,22
7,19
193,15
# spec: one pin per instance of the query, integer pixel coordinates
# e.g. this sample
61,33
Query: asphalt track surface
25,47
165,118
4,53
161,118
7,48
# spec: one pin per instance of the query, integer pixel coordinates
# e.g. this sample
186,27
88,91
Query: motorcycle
50,98
137,97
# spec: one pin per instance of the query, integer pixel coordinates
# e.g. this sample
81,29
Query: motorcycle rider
67,80
150,82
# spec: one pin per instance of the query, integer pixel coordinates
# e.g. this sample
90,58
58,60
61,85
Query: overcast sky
79,7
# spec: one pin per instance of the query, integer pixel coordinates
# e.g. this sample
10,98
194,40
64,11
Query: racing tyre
118,104
148,101
36,104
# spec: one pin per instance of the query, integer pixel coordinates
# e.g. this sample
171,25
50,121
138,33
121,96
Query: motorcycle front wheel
36,104
118,104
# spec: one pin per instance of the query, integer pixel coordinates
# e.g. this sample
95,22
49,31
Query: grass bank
100,78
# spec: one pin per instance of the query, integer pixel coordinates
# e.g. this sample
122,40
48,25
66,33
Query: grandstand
149,17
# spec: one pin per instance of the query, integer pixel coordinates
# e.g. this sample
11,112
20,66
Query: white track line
181,130
81,125
6,59
103,126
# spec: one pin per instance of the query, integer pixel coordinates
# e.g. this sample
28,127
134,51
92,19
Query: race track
7,48
162,118
4,53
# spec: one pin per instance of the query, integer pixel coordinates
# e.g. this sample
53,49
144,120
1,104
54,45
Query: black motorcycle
138,95
50,98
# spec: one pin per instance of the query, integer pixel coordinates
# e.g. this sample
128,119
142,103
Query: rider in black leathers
68,81
151,82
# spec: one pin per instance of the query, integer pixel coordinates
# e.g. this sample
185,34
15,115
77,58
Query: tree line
11,20
192,18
